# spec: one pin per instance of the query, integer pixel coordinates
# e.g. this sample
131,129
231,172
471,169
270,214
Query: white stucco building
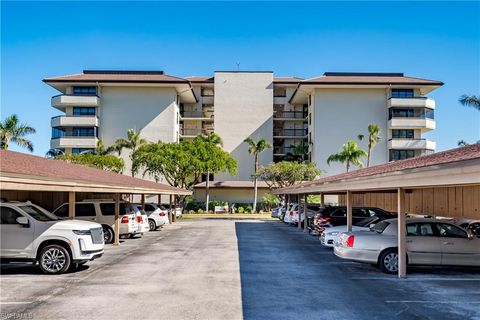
309,118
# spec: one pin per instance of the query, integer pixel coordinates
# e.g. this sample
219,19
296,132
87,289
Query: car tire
152,225
54,259
108,234
388,261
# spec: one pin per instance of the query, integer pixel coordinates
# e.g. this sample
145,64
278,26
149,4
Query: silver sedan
429,242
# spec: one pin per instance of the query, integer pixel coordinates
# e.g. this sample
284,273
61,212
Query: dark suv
337,215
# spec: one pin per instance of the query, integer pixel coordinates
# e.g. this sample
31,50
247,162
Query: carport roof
19,171
452,167
231,184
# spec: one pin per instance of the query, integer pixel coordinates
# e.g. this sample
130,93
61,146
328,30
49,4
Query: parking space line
416,279
422,301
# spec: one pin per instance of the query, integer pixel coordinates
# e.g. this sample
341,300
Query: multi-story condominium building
308,119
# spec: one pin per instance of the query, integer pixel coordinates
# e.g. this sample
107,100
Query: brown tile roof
118,76
37,167
453,155
369,78
233,184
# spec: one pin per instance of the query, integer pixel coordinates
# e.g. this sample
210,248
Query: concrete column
349,211
322,199
143,202
305,221
299,213
174,215
159,200
71,204
170,220
117,220
402,247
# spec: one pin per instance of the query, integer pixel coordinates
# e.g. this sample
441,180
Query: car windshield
380,227
39,214
366,222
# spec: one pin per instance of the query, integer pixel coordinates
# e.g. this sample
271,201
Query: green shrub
240,210
200,211
249,209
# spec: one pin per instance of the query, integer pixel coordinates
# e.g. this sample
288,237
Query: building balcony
412,144
412,102
290,133
197,115
73,142
75,121
193,132
424,124
65,100
289,115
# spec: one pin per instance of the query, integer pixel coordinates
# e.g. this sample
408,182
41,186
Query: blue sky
434,40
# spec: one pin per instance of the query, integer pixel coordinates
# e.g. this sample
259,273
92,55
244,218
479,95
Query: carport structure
22,175
445,183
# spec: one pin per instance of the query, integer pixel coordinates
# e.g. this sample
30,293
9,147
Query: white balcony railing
413,102
415,144
73,142
65,100
76,121
425,124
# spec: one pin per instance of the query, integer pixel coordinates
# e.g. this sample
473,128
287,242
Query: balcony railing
197,114
290,132
416,144
418,113
75,121
289,115
195,131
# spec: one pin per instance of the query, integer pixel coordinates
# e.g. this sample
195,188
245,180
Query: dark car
337,215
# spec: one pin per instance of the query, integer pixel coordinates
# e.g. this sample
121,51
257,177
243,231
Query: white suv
30,233
103,212
157,215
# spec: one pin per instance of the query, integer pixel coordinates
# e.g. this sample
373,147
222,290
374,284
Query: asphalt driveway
234,269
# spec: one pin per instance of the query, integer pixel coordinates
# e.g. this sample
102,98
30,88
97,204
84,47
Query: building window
411,113
83,132
402,134
84,111
82,150
402,93
58,133
207,92
88,91
401,154
279,92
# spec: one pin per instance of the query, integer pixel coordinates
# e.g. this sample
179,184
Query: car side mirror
470,234
23,221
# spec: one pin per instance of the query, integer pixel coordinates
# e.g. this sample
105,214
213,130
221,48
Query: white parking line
417,279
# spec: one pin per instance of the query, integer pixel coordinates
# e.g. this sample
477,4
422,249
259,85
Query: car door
358,214
457,247
16,239
423,247
85,211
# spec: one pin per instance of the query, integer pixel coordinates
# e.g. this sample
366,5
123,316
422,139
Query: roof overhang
22,182
458,173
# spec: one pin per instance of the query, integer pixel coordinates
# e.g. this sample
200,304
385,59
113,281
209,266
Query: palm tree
133,142
463,143
349,154
373,138
298,151
472,101
12,130
256,148
215,140
53,153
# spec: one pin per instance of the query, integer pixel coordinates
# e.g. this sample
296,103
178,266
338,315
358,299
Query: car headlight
333,233
82,232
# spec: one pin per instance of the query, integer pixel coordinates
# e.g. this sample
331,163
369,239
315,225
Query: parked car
337,215
312,210
103,211
276,212
290,212
178,210
472,225
31,233
157,215
142,221
330,234
428,242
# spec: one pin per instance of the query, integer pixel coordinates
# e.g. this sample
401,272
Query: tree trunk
255,185
348,165
369,154
207,196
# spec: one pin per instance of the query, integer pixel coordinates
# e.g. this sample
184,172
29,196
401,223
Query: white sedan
330,234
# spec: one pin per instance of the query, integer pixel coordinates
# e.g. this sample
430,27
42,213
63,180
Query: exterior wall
457,202
153,110
243,107
236,195
340,115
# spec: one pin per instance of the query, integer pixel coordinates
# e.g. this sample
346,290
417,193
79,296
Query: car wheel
388,261
108,234
152,225
54,259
